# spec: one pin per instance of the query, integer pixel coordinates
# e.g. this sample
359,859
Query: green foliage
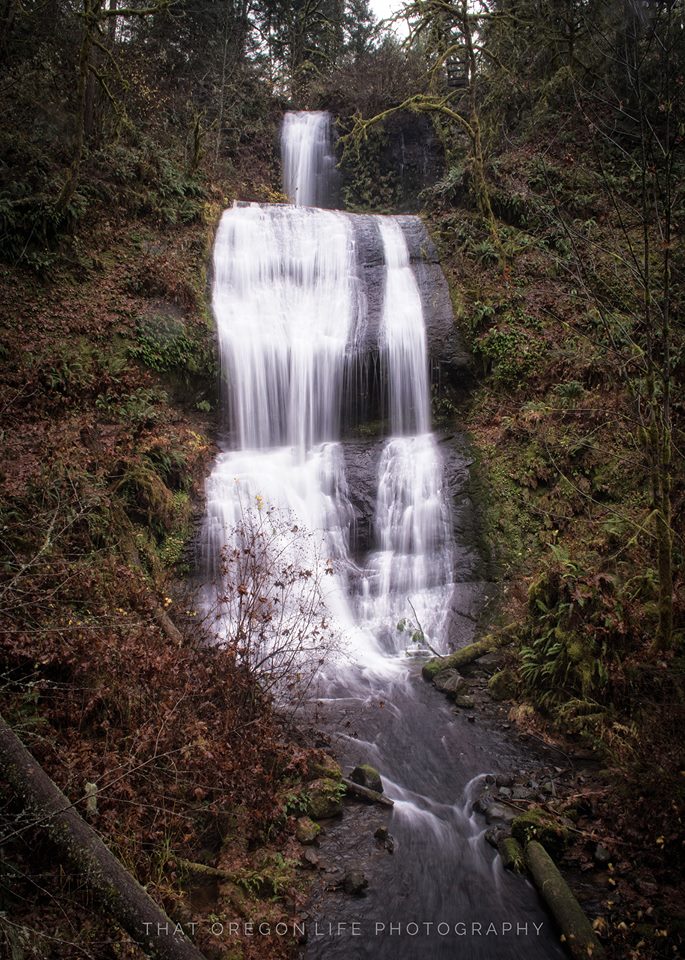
369,184
271,878
166,346
577,626
507,354
297,804
143,407
146,179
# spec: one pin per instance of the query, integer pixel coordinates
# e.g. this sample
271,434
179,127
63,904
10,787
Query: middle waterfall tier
321,330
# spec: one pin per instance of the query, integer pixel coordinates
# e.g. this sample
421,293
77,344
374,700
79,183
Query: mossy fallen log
360,791
460,658
119,894
579,936
511,852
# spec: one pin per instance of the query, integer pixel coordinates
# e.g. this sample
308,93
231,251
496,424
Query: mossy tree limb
579,936
119,894
461,658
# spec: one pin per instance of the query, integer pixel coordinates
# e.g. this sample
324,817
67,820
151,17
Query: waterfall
308,159
290,309
311,305
410,573
285,302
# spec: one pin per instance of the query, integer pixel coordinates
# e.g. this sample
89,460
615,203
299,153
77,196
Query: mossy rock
325,798
536,824
307,831
502,685
323,766
367,776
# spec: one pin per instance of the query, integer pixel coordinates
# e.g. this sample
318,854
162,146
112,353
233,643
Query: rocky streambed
442,870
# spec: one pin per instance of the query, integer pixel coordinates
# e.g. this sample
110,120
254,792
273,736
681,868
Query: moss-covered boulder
325,798
449,682
307,831
323,765
536,824
367,776
502,685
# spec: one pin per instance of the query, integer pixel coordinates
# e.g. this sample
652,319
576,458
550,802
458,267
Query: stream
333,328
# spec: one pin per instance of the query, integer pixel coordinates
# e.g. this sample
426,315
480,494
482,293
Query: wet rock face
446,349
409,153
450,362
413,150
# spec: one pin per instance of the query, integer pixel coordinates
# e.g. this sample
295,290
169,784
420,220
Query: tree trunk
581,939
119,894
69,189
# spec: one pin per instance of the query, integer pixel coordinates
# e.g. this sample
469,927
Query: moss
536,824
512,856
367,776
502,685
325,798
460,658
323,765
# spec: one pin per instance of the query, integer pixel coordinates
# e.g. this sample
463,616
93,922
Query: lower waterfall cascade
303,340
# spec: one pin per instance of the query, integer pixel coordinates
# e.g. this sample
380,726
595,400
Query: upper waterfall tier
308,158
286,301
315,312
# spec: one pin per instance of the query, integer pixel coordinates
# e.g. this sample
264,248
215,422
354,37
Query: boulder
495,835
354,882
367,776
307,831
310,859
502,685
464,702
325,798
498,812
449,681
323,766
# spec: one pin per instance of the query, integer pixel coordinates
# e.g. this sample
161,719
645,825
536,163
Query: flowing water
301,346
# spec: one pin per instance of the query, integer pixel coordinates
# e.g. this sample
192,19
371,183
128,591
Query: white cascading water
308,160
412,566
289,309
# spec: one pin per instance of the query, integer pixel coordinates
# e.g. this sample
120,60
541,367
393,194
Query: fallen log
119,894
579,936
366,794
460,658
